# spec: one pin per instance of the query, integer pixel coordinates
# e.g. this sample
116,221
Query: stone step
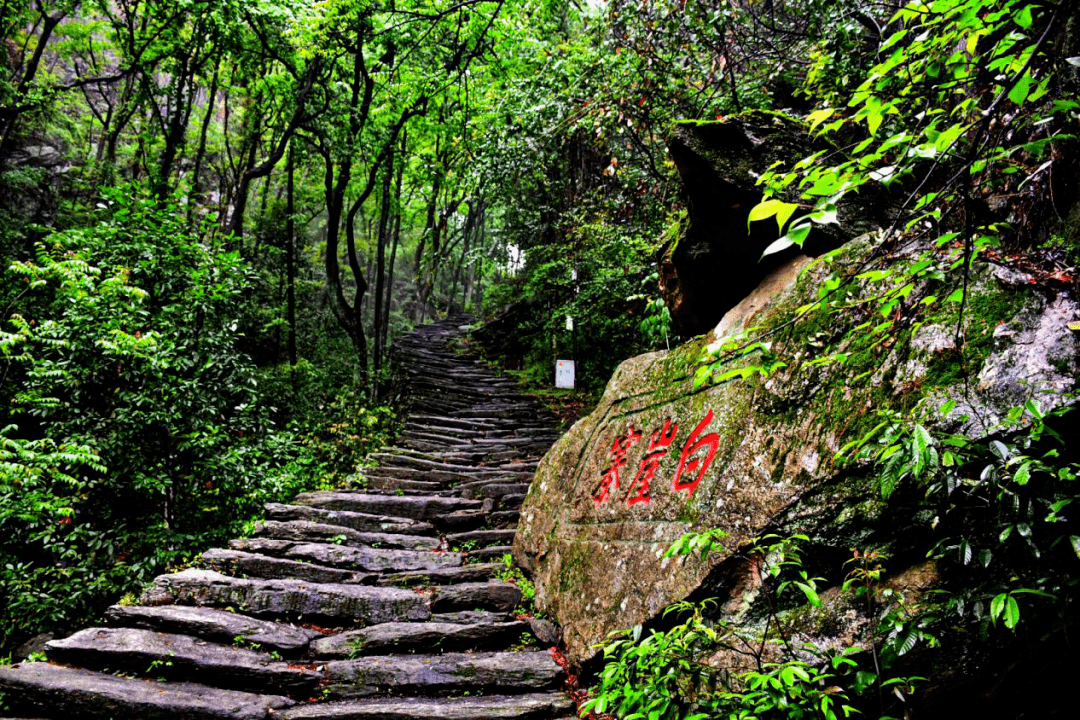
511,502
436,479
416,507
481,538
398,637
462,520
350,558
180,657
214,625
387,483
473,572
237,562
60,692
307,531
494,455
446,422
532,706
503,518
493,552
495,595
472,616
288,598
442,674
420,438
485,489
359,521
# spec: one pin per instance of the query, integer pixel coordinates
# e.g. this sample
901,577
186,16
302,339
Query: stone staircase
372,604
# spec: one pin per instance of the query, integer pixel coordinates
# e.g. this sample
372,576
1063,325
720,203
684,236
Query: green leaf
1023,17
777,246
996,606
783,214
1012,612
1074,540
1020,91
810,593
764,209
873,121
819,116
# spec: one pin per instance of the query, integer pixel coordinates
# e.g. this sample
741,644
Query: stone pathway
374,604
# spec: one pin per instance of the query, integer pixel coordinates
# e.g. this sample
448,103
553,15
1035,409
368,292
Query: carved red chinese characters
710,443
658,449
610,479
697,456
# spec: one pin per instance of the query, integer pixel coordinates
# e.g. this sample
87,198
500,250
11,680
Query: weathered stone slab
289,598
434,674
533,706
505,517
400,637
481,538
375,559
361,522
353,558
472,572
393,484
64,692
210,624
492,552
416,507
181,657
493,489
492,595
471,616
307,531
263,566
461,520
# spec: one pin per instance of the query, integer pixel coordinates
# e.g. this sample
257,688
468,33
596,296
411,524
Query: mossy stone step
359,521
181,657
533,706
308,531
237,562
416,507
398,637
442,674
350,558
341,604
214,625
61,692
472,572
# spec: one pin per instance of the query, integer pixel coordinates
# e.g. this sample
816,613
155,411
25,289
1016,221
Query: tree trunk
290,261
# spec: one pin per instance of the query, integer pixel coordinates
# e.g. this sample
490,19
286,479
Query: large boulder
659,457
719,163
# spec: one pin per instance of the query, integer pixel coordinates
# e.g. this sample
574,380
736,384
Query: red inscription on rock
691,461
610,479
658,449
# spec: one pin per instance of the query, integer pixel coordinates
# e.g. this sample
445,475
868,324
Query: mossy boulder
660,456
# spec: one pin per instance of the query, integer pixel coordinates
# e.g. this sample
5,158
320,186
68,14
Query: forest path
374,604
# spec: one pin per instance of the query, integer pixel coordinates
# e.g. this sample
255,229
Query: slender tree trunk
396,241
380,264
200,153
290,261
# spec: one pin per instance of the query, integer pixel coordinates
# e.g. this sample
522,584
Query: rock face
719,163
658,457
